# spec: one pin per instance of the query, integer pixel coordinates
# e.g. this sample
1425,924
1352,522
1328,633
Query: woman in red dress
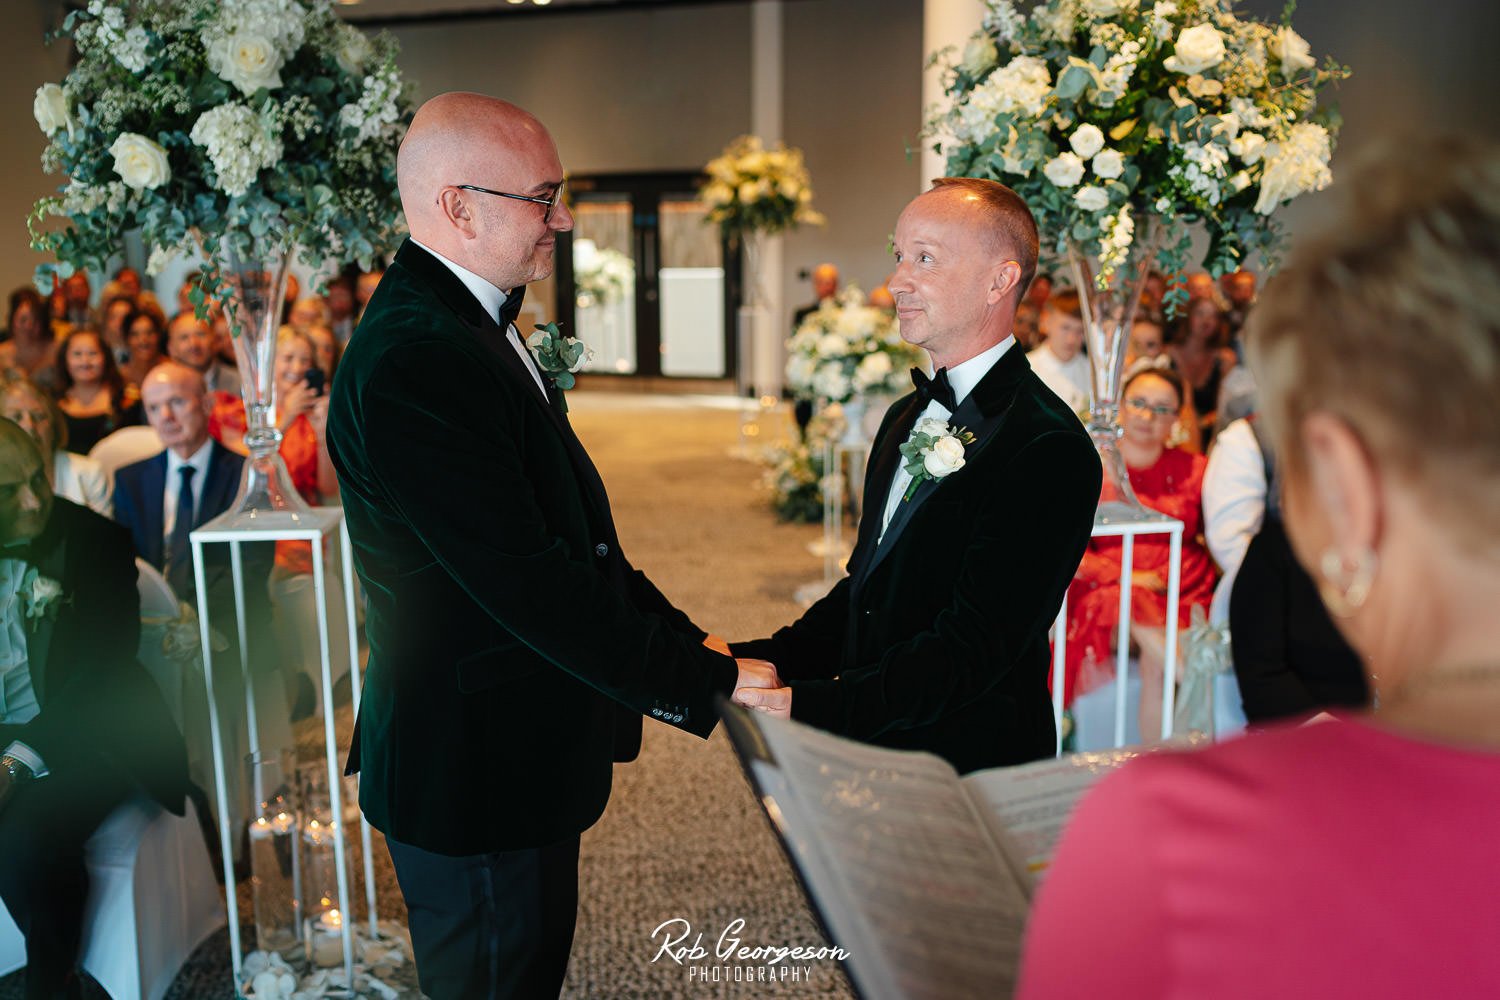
1169,480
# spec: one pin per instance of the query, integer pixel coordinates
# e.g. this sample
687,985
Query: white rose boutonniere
140,162
559,357
933,451
40,597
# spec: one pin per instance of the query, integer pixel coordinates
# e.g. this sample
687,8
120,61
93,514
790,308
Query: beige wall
25,64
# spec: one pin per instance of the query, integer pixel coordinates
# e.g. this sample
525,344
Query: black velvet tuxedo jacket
508,634
937,639
100,709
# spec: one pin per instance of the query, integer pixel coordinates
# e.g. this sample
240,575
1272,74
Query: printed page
1031,803
901,865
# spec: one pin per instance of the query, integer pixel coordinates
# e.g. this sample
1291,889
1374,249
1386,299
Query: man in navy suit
194,471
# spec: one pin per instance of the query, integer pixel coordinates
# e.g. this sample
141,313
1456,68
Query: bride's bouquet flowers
846,348
193,119
752,189
1097,111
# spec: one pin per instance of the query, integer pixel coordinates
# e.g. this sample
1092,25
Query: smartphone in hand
314,379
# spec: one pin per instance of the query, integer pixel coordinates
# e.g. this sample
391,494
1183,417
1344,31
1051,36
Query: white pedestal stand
313,527
832,546
1111,523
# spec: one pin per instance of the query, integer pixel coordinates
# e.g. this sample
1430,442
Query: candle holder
275,872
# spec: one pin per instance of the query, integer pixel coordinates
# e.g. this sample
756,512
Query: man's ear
454,207
1004,281
1344,481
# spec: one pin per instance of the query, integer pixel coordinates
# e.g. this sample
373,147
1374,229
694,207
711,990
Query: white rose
584,356
1109,164
1249,147
140,162
979,55
1292,50
945,458
51,109
1064,170
872,370
934,427
1091,198
44,589
353,51
1198,48
248,61
1086,140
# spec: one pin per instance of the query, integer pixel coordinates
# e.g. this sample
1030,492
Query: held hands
761,689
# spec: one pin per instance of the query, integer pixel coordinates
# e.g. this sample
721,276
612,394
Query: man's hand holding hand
757,674
773,701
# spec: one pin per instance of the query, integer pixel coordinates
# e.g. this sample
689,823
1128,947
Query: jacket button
656,712
601,550
676,718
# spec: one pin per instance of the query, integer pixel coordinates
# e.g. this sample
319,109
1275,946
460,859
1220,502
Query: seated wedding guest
1146,343
364,287
129,281
1238,289
77,295
1165,479
190,341
1289,658
1236,491
1028,326
1352,858
112,316
146,343
1040,291
73,477
1060,362
29,347
825,282
194,475
327,350
309,312
57,309
880,298
1154,296
937,639
341,305
83,726
92,395
1195,341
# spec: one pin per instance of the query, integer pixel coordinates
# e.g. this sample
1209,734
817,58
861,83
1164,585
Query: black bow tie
511,308
935,388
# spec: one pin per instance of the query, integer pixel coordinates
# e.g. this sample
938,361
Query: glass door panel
604,272
691,289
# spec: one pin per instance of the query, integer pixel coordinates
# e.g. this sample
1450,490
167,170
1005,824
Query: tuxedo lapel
48,555
878,485
980,414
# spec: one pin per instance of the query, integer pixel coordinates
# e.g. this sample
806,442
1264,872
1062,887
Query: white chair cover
124,446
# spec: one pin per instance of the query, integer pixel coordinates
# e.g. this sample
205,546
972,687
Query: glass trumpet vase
254,274
1109,294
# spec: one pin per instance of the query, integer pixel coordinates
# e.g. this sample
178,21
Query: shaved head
470,139
25,491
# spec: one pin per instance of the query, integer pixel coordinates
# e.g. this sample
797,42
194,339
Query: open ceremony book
922,877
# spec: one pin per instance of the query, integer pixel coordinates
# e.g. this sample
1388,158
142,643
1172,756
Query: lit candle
328,940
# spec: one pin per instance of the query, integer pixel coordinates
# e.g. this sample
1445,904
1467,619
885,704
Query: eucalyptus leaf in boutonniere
558,357
933,451
40,597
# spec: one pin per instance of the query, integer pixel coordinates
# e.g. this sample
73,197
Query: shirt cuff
23,753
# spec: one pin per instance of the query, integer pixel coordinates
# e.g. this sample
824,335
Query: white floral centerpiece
1123,124
846,348
249,131
751,189
600,274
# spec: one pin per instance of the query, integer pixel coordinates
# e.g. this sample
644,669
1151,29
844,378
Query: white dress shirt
963,378
1069,379
1234,505
83,481
199,461
491,298
18,702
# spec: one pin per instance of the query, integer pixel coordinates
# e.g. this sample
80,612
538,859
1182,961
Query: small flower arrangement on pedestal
753,190
601,275
846,349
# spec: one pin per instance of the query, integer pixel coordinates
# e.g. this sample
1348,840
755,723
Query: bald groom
513,648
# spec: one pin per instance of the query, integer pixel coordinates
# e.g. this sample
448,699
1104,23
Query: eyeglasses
1145,409
551,201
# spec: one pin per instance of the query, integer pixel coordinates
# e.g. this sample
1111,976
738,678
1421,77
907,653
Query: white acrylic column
944,23
1151,523
767,330
313,527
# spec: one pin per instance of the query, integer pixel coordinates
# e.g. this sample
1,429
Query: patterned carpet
683,838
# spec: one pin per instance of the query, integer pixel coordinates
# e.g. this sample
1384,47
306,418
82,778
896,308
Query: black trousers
490,926
43,828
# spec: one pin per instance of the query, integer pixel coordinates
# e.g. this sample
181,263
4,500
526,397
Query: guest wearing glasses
1169,480
1355,858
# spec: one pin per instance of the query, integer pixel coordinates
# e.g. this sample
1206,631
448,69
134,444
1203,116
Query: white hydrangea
1205,169
240,144
377,109
830,381
873,370
1161,19
132,50
1020,86
1058,20
1114,78
1002,19
1295,165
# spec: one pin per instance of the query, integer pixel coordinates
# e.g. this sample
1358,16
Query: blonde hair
1390,320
